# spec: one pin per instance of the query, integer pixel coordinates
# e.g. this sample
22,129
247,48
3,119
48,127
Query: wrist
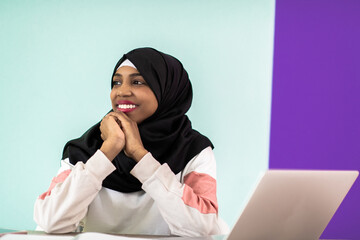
110,149
139,154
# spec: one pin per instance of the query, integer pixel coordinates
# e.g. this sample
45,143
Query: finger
122,122
114,118
108,117
121,116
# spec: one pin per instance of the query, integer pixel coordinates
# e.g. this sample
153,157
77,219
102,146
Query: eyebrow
131,75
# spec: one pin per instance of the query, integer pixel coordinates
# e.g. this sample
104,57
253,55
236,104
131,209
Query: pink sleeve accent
200,192
58,179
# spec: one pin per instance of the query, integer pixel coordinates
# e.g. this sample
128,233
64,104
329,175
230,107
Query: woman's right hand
113,136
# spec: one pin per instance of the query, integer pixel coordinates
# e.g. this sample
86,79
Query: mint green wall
56,60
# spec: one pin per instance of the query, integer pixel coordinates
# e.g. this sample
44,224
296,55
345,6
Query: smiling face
131,95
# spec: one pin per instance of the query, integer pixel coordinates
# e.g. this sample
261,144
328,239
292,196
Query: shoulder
204,162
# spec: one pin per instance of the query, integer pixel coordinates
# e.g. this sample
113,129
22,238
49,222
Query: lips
126,106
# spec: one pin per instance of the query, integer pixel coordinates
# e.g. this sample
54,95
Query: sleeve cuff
99,165
145,168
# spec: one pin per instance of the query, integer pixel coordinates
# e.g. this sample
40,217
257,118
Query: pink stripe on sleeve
58,179
200,192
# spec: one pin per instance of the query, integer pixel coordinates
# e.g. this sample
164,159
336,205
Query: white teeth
126,106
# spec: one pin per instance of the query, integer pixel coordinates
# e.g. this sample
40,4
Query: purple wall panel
315,122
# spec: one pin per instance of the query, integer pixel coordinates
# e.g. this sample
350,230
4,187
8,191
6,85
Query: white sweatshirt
184,204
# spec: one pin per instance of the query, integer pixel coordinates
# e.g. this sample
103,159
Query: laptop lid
292,204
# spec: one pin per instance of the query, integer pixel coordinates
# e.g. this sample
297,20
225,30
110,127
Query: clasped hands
119,133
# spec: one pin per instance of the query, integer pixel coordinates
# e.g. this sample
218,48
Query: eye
138,82
116,83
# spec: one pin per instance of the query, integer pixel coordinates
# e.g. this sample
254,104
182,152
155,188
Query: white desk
36,235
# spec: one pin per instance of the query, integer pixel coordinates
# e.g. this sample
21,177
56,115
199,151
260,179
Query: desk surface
38,235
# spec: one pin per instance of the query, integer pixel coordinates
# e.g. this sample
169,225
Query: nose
124,90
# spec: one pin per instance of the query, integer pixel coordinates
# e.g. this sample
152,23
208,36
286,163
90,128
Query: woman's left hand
134,147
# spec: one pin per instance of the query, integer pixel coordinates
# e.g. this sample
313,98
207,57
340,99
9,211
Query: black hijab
167,134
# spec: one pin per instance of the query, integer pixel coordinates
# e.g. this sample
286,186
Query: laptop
289,204
292,204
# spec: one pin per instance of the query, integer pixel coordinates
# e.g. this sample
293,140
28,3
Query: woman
142,169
